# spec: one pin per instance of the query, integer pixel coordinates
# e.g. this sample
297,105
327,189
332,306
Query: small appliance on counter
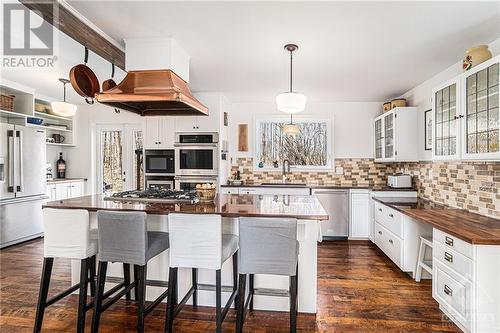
399,181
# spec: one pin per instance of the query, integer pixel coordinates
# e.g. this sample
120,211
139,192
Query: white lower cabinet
398,236
359,220
65,190
466,282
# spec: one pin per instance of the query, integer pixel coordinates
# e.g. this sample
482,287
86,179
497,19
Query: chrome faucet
286,170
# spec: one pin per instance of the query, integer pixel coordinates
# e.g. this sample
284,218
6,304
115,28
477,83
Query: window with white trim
310,149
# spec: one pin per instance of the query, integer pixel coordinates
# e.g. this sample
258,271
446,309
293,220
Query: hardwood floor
359,290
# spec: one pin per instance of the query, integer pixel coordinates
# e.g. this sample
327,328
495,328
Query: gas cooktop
154,195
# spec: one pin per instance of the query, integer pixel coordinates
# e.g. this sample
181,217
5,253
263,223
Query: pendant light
63,108
291,102
291,129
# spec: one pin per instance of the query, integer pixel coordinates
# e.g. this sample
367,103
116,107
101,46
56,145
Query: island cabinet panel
270,190
466,282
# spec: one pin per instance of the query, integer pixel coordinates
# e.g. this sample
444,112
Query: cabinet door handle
380,232
390,241
380,209
391,216
448,291
448,257
448,241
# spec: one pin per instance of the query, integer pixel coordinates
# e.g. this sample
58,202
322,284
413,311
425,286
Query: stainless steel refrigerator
22,183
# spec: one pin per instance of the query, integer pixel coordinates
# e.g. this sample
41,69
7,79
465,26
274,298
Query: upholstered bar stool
123,237
267,246
196,241
67,235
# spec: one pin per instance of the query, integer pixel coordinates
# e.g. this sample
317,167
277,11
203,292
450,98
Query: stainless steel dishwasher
336,204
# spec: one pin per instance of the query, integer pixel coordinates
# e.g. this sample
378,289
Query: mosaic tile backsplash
474,186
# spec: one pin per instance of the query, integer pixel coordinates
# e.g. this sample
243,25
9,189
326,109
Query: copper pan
109,83
84,80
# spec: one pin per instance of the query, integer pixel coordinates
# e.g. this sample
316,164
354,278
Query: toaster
399,181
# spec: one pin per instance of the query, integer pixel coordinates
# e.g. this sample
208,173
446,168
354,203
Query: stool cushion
229,246
67,234
157,243
268,246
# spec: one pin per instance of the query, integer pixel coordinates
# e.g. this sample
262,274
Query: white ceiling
348,51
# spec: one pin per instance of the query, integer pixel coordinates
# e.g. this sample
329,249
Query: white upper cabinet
466,115
159,132
396,135
447,115
481,112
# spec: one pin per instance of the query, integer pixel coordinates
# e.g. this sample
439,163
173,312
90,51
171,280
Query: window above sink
311,149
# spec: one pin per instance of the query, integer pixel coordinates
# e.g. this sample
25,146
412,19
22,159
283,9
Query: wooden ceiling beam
74,27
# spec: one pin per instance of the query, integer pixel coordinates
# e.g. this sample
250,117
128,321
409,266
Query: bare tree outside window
308,148
112,168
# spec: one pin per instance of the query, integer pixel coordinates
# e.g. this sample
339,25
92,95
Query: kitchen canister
398,103
475,55
387,106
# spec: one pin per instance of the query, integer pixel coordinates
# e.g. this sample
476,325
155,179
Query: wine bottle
61,167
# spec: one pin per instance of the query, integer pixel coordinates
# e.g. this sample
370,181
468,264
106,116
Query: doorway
118,168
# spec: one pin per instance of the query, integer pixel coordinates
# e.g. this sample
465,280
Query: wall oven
159,162
188,183
196,154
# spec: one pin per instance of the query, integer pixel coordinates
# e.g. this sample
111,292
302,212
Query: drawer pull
380,232
448,291
390,241
380,209
448,241
390,215
448,257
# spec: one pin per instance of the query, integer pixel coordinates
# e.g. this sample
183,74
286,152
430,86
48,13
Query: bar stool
425,243
123,237
67,235
267,246
196,241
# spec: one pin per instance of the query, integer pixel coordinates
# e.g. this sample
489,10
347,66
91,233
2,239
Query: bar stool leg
44,290
235,272
82,297
92,278
218,301
141,300
136,279
240,306
194,273
252,290
293,302
101,281
169,322
126,279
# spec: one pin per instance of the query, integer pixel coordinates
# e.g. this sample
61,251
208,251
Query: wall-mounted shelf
49,128
12,114
60,144
50,116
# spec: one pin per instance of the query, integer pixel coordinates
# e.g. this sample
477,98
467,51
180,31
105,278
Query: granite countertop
299,207
471,227
65,180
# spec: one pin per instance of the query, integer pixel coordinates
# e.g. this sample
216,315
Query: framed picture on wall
428,129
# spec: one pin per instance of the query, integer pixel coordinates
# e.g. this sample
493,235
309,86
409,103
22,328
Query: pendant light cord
64,91
291,69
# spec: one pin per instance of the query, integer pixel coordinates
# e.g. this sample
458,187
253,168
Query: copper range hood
153,93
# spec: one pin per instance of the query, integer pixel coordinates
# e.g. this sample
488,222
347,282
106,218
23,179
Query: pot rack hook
86,59
89,101
112,70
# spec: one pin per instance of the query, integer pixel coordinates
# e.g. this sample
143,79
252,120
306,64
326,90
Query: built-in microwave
159,162
196,154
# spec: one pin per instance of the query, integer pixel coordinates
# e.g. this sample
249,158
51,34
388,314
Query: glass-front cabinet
379,143
481,112
447,115
389,136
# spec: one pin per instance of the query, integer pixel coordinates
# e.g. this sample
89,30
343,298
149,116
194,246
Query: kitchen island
269,289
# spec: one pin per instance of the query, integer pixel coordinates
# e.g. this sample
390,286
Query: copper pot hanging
84,80
109,83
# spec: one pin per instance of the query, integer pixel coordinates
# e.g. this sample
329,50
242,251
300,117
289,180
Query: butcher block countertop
470,227
227,205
